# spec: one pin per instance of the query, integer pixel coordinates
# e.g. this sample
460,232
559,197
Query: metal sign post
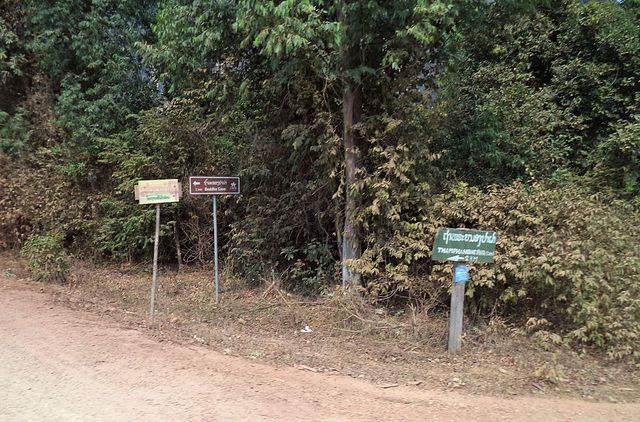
214,185
461,245
215,246
157,192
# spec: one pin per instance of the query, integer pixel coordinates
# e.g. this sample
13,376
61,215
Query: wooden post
155,262
455,318
176,239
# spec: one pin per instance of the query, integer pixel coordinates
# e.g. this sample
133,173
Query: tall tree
352,115
326,101
87,48
367,52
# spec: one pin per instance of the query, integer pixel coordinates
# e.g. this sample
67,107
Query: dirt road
57,364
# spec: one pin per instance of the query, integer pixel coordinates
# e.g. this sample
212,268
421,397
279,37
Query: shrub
563,255
48,261
15,131
39,195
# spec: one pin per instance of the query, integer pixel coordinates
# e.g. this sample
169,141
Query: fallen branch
307,368
388,386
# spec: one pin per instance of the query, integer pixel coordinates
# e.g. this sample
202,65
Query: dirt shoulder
60,364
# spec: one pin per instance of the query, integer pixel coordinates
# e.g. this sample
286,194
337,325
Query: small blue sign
462,274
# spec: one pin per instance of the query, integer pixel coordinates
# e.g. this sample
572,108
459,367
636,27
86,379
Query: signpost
214,185
157,192
464,245
459,246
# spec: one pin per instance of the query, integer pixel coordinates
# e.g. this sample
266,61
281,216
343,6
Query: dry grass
347,337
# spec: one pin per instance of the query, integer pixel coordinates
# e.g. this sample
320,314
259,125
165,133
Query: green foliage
285,217
397,42
617,160
394,47
173,142
15,131
90,57
556,79
561,255
313,270
396,197
48,261
195,41
289,29
15,68
38,196
127,230
168,142
12,54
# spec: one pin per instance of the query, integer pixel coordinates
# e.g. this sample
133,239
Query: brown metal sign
214,185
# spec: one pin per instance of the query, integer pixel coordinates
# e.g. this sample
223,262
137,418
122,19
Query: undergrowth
563,257
47,260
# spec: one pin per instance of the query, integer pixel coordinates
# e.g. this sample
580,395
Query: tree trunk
352,112
351,247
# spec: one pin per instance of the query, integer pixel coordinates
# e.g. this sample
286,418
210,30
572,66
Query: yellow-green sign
158,191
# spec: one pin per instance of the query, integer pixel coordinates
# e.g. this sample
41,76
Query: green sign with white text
464,245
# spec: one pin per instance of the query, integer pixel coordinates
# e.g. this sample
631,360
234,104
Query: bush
48,261
39,195
563,256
